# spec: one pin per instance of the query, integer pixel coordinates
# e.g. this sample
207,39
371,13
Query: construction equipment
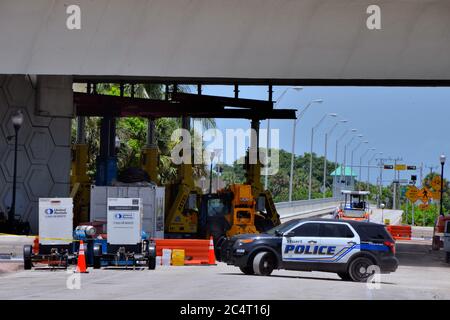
447,241
439,232
354,207
228,212
54,244
240,208
80,182
266,216
124,246
182,201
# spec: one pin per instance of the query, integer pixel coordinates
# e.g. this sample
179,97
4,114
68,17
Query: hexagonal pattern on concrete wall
3,186
37,121
44,148
22,200
38,182
60,128
3,78
60,190
18,90
7,163
39,146
31,215
3,104
59,164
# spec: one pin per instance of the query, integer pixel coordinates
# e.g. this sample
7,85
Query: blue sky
411,123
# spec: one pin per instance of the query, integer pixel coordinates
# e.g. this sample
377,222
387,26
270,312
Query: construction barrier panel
400,232
195,251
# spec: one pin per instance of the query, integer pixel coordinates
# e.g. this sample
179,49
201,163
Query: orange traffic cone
36,245
211,255
81,261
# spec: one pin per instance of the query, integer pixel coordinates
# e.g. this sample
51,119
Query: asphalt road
395,216
422,275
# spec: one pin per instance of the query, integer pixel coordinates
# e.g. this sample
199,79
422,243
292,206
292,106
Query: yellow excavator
239,208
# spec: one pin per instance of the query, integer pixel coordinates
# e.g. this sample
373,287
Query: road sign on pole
388,167
436,183
400,167
412,194
425,195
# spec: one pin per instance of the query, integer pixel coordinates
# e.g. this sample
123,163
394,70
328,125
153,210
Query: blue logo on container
118,216
49,211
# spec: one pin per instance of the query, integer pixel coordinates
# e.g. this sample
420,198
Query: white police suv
352,249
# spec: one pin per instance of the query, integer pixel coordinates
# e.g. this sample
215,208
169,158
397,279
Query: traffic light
413,177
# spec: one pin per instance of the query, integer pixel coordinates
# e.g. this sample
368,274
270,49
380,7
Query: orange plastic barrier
195,251
400,232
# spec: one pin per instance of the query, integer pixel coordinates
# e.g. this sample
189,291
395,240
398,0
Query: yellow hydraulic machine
80,182
267,216
242,213
182,200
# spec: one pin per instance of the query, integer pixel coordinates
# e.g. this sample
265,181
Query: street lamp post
344,164
266,178
327,134
17,121
369,163
442,160
336,160
312,144
294,127
352,180
360,162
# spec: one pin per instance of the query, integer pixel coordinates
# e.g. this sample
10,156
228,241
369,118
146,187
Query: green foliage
279,182
422,217
132,133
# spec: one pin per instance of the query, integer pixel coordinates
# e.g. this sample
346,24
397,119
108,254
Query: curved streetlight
336,159
353,151
312,143
369,163
291,176
344,164
17,121
327,134
360,161
266,178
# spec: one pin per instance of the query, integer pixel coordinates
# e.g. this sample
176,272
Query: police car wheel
358,269
151,263
263,263
344,276
27,252
248,270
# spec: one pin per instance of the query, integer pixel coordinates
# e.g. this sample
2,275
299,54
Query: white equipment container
152,202
55,221
124,221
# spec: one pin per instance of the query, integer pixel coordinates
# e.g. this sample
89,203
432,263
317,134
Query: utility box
124,221
152,198
55,221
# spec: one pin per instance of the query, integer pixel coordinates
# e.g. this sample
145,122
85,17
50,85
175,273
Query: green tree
132,132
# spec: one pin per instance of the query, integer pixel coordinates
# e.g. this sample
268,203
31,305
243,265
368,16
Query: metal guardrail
307,208
304,203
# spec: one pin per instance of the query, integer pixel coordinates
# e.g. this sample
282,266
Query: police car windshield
282,227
